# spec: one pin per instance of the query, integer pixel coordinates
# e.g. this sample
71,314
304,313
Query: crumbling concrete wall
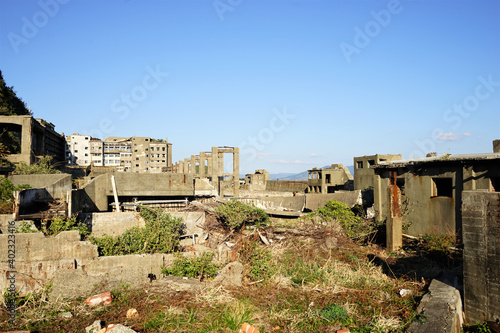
106,273
91,198
296,203
481,238
114,224
57,185
37,258
286,185
4,222
350,198
441,308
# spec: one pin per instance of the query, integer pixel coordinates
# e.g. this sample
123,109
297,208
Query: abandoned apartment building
31,138
132,154
329,180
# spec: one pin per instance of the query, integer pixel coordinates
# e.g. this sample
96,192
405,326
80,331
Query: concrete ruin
481,239
427,192
364,175
329,180
210,165
37,137
257,181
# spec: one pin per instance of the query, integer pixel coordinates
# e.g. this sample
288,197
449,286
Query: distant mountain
280,176
303,175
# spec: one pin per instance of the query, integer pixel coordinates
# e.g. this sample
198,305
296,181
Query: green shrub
7,189
195,267
340,212
235,214
258,261
334,312
160,235
60,224
26,227
43,166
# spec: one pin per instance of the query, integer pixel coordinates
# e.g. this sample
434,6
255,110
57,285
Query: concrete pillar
395,220
169,155
26,140
180,168
215,169
186,166
236,171
202,165
192,168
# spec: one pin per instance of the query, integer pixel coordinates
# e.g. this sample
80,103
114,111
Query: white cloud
262,155
314,155
447,136
467,134
289,162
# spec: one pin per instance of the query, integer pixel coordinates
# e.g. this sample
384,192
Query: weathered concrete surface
4,222
56,185
94,195
441,308
106,273
296,203
37,257
91,198
350,198
114,224
433,187
63,258
481,238
286,185
202,187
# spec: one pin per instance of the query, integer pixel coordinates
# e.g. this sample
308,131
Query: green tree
10,104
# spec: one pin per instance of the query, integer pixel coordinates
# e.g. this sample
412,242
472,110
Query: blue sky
295,84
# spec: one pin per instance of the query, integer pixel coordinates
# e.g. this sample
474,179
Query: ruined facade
257,181
36,138
364,174
425,195
210,165
337,177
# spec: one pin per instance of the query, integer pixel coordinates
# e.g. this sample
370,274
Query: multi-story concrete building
137,154
336,177
35,138
425,194
78,149
363,169
96,149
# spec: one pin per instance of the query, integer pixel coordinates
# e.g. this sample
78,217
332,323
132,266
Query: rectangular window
359,164
328,179
442,187
371,162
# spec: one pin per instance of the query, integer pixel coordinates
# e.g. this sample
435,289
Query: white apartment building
78,149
